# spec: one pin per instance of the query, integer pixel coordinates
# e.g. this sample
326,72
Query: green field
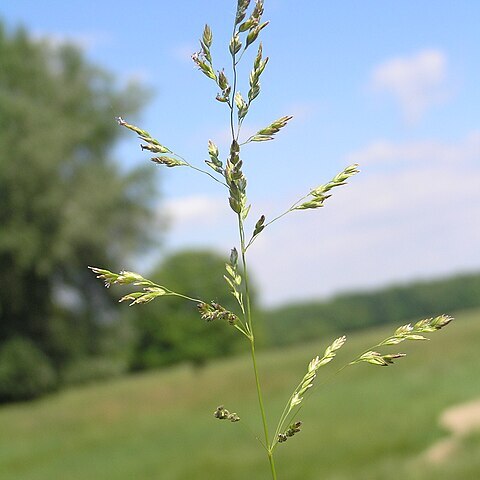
368,423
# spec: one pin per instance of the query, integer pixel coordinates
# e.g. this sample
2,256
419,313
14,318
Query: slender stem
188,164
209,174
284,415
259,391
186,297
234,91
272,464
240,57
288,211
240,329
252,350
247,312
257,381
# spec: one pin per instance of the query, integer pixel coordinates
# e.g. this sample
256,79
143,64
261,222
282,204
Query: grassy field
368,423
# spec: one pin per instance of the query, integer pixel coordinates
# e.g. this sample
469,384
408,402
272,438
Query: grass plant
227,171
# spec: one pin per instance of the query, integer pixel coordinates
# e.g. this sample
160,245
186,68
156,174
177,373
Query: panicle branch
173,160
266,134
318,195
306,383
123,278
313,366
405,332
149,292
154,146
150,289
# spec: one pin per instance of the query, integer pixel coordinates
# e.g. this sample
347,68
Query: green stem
286,411
252,350
234,91
209,174
186,297
272,464
247,312
193,167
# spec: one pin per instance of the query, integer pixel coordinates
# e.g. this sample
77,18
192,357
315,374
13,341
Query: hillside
346,312
366,424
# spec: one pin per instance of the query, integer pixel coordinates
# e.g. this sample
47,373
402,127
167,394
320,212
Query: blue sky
392,85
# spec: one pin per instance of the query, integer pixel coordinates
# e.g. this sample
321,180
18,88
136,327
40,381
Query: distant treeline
352,311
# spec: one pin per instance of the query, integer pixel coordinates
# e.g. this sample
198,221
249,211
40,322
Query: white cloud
418,219
417,82
383,153
195,211
412,212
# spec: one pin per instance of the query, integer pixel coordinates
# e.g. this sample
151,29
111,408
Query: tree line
351,311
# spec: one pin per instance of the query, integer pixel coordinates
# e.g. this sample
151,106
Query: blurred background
91,389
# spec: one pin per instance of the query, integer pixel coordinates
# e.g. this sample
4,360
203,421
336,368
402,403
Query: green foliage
171,330
25,371
63,198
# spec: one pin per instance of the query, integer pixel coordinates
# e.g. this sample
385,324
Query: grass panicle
227,170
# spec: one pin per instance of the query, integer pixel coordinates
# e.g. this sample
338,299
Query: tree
62,196
170,330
